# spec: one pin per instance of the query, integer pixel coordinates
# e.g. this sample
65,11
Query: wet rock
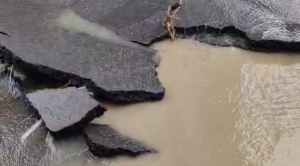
113,69
16,118
103,141
65,110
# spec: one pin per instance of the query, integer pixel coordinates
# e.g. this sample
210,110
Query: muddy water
223,107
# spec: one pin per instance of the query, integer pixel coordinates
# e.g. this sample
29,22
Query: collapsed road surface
114,70
16,119
23,136
134,20
103,141
261,24
119,71
271,25
65,110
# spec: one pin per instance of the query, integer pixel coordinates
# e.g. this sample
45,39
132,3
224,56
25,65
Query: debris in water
49,140
103,141
169,20
27,118
67,157
30,130
66,85
21,131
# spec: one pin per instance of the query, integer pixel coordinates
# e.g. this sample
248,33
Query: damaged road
103,141
113,69
116,71
271,25
36,39
65,110
24,140
263,25
134,20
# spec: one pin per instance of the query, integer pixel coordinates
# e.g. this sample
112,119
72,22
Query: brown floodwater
223,107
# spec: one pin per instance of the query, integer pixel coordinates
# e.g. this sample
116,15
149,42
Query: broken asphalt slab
118,71
257,25
114,70
260,20
134,20
65,110
103,141
16,120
